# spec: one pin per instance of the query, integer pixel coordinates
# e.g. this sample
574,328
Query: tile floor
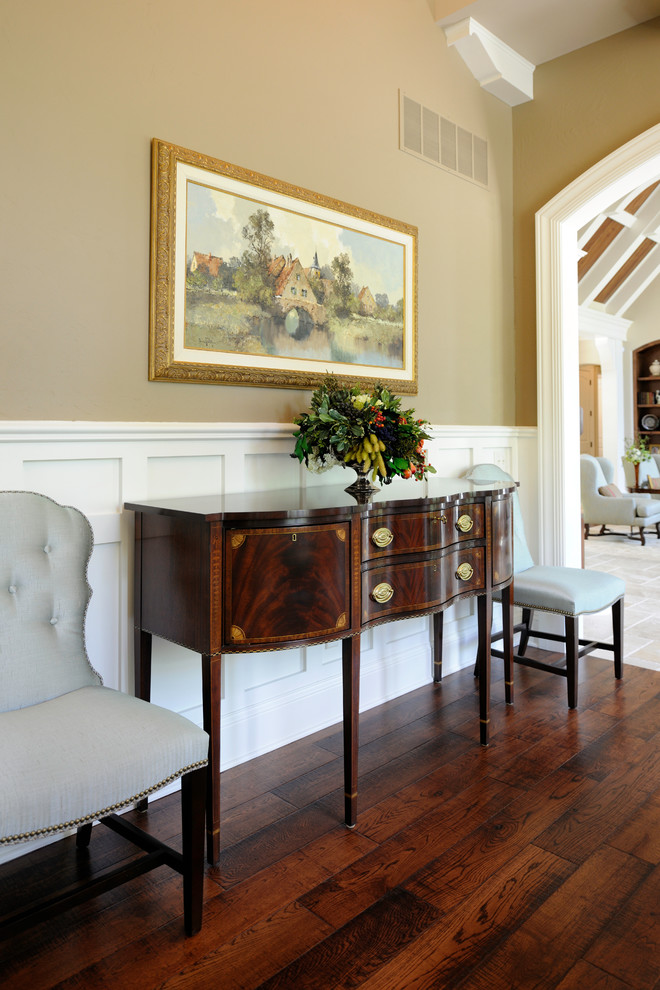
640,568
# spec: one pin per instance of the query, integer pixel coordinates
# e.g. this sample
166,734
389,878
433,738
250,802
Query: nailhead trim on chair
76,823
558,611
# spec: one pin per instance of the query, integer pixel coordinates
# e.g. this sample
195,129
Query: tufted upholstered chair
72,751
637,511
567,591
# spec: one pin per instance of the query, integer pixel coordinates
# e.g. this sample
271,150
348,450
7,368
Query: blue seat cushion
567,590
648,509
88,753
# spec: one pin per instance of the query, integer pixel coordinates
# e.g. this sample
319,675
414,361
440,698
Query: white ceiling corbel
594,323
496,67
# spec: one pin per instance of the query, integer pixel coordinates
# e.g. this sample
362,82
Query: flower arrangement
637,450
368,431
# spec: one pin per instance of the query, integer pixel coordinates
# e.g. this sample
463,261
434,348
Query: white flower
317,466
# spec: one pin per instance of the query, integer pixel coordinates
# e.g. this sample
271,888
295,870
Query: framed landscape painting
258,282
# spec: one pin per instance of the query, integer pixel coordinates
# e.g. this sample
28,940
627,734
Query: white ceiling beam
497,68
636,283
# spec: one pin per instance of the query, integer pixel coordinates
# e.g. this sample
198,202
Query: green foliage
350,425
259,232
254,286
252,280
637,450
341,268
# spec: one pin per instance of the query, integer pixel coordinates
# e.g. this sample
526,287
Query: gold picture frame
255,281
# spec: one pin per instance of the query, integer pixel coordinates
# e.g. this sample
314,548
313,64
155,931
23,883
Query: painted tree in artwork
343,292
252,279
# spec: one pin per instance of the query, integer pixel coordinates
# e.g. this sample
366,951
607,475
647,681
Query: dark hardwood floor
534,863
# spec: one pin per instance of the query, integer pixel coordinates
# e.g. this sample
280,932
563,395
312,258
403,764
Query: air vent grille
437,140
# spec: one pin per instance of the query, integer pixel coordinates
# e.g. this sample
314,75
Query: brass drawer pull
464,523
464,571
382,537
382,593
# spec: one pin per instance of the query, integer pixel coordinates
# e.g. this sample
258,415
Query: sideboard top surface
317,500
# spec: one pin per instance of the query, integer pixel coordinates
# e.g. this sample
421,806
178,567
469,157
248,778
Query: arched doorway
557,224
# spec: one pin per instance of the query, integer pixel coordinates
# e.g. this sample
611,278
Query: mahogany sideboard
273,570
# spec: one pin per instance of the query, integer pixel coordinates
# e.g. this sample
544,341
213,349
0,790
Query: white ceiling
541,30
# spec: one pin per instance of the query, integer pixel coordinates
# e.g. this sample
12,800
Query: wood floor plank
255,955
397,859
578,729
395,812
545,947
351,954
594,817
256,852
629,946
640,836
419,746
465,934
584,976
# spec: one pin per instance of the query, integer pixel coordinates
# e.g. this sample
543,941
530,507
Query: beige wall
586,105
304,92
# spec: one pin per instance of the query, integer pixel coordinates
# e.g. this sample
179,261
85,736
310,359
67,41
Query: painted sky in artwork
215,220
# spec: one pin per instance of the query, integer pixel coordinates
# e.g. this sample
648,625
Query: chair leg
83,835
572,650
527,616
193,815
586,531
641,536
617,637
507,628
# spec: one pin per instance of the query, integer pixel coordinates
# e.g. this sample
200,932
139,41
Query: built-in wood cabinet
646,389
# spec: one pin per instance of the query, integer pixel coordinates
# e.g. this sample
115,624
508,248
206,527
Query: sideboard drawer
416,532
397,588
285,584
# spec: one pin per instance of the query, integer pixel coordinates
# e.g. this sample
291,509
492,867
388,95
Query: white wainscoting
268,699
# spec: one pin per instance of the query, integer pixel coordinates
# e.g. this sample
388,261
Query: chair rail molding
557,226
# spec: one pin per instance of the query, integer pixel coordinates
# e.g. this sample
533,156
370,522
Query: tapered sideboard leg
351,697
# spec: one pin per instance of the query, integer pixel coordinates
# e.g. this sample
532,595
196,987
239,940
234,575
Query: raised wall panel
92,484
179,476
262,471
105,643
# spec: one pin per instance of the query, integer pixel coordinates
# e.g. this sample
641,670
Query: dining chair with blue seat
73,752
567,591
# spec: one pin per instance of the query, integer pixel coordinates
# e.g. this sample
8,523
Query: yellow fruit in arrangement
368,454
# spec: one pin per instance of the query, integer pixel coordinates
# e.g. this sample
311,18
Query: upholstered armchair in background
604,505
73,752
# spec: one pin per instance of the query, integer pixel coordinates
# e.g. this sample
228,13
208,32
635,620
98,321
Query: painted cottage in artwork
293,289
367,301
207,264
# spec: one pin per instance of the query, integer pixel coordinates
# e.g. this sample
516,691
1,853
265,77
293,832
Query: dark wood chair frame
605,531
189,863
574,646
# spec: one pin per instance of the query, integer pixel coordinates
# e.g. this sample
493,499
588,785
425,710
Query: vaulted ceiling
541,30
619,250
